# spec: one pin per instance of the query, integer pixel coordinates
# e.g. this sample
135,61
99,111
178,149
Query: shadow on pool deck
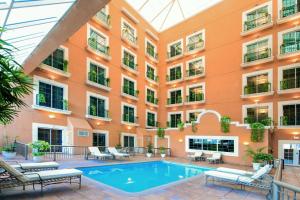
194,188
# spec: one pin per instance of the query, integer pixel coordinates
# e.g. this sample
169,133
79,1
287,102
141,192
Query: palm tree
15,84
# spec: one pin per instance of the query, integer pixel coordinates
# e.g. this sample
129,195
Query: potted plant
65,104
257,132
65,65
118,146
149,150
9,148
194,127
225,124
161,133
38,150
41,98
162,151
258,157
180,125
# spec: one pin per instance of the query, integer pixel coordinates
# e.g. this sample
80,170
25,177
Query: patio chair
115,153
198,155
26,167
216,158
259,179
241,172
98,154
14,178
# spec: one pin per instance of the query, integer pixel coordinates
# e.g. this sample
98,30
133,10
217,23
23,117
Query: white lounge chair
259,179
216,158
196,155
115,153
98,154
25,167
14,178
241,172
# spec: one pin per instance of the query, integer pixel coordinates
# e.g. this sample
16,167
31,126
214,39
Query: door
291,154
128,141
52,136
99,140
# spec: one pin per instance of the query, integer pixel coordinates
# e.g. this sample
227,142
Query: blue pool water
137,177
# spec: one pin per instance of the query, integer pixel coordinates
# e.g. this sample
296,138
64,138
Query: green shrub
39,148
225,124
257,132
161,133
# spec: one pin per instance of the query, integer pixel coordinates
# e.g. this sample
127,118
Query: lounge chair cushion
234,171
13,171
229,177
51,174
36,165
260,172
114,152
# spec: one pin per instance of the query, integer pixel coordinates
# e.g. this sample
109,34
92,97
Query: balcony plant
225,124
38,150
284,120
180,125
118,146
42,98
66,64
65,104
9,147
93,110
162,151
149,150
194,127
258,157
161,133
257,132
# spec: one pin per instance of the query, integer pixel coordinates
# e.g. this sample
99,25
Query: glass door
291,154
128,141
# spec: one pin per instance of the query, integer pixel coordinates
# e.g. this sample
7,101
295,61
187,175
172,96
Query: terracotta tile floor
194,188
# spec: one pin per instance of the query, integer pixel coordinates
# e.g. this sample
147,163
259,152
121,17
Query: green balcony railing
195,45
42,101
98,47
172,124
99,79
195,97
57,64
177,100
257,55
292,83
152,99
254,23
130,91
130,118
174,77
152,76
105,18
290,47
267,121
129,36
93,111
174,53
195,72
152,53
289,121
152,123
129,63
259,88
289,10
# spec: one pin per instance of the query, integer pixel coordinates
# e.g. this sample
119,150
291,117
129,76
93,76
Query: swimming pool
137,177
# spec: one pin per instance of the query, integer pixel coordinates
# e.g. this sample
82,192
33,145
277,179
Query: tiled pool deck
194,188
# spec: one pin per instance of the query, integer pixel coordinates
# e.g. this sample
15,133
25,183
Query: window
290,78
257,84
150,73
103,16
98,42
175,97
289,7
257,50
129,114
57,60
128,32
192,115
97,107
258,17
52,136
129,87
289,113
128,141
151,96
97,74
257,114
175,49
175,119
195,67
151,49
174,73
151,119
99,139
196,93
195,41
290,42
129,59
51,96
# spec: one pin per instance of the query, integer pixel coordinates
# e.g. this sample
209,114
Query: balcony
262,89
195,72
174,101
289,49
259,23
126,118
289,84
152,76
130,38
152,123
195,98
100,114
129,65
289,12
103,19
257,57
152,54
128,92
267,121
174,55
41,104
289,121
172,124
98,48
56,67
174,78
152,100
98,81
195,46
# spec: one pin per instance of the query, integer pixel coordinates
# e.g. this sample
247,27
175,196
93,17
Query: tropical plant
161,133
194,127
257,132
15,84
258,156
225,124
162,150
9,144
150,148
93,110
42,98
39,147
180,125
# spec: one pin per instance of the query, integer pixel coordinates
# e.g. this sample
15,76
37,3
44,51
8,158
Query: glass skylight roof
27,22
163,14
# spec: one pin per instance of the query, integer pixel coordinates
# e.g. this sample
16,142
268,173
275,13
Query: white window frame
234,138
175,66
256,73
155,71
130,79
172,113
282,20
188,87
88,62
202,58
280,112
150,88
175,89
155,47
89,27
196,33
131,52
99,96
174,42
245,107
105,132
188,112
280,77
131,135
280,42
152,112
131,26
129,105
